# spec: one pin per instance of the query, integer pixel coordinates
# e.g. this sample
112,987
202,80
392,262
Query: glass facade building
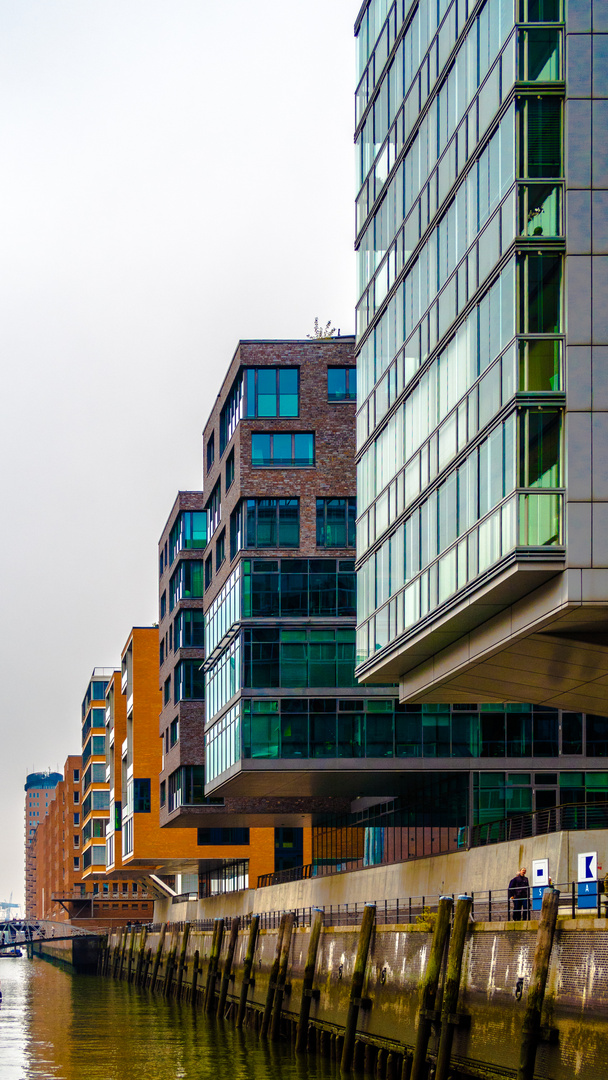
482,343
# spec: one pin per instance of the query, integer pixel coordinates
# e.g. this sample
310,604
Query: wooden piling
272,982
158,955
216,948
140,956
227,972
451,987
125,938
130,955
365,934
251,943
530,1032
170,964
195,970
275,1026
146,967
428,988
182,960
309,978
369,1059
116,957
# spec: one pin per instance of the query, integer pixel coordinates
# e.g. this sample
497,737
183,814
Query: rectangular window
210,451
141,796
540,293
76,863
208,572
174,732
236,530
187,581
541,137
229,469
189,629
273,523
272,391
163,792
336,522
188,533
342,384
163,605
221,837
220,550
283,449
76,819
76,775
189,681
167,691
214,509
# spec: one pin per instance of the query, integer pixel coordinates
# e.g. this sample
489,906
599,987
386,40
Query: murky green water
77,1027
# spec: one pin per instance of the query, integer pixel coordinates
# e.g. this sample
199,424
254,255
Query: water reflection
61,1027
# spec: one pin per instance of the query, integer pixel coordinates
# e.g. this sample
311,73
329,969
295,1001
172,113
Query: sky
174,176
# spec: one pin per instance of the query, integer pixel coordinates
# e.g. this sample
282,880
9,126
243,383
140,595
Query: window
229,469
76,863
189,532
214,509
163,605
342,384
189,681
283,449
236,530
540,279
298,587
208,572
272,391
299,658
141,796
76,775
336,522
76,840
189,629
76,796
186,582
167,691
541,137
220,550
161,652
210,451
273,523
231,413
221,837
174,732
163,792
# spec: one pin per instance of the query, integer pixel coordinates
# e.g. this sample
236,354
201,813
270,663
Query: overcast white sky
174,175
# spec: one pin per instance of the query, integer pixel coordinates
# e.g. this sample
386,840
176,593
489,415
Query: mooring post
182,960
356,986
275,1027
170,964
309,978
428,988
158,955
234,937
116,955
530,1031
130,955
146,967
195,970
122,952
272,982
449,1018
140,956
253,934
216,948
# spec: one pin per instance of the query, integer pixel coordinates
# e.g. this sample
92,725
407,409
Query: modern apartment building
95,804
482,348
39,792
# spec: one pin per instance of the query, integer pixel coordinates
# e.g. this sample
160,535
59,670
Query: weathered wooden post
350,1031
117,948
158,955
170,964
251,942
125,938
275,1027
530,1031
428,988
216,948
195,969
140,956
234,936
272,982
182,960
309,978
452,986
146,967
130,955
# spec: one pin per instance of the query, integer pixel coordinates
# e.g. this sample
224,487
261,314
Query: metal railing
569,817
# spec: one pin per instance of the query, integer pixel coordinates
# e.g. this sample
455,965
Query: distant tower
39,791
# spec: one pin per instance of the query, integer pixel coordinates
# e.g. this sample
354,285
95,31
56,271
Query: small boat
14,952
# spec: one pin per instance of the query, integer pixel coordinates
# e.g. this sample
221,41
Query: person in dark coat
519,893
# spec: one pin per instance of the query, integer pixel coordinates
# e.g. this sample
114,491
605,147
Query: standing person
519,893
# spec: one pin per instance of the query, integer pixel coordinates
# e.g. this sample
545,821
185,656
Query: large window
187,582
298,587
222,837
189,629
188,532
189,681
336,522
283,449
273,523
342,384
299,657
186,787
272,391
214,509
231,412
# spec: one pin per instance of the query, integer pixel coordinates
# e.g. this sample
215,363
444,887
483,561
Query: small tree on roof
321,333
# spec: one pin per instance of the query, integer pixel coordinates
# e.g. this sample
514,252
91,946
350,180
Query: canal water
58,1026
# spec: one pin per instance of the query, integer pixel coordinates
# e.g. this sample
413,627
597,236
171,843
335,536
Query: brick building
39,792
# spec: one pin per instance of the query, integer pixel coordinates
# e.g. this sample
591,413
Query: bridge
17,932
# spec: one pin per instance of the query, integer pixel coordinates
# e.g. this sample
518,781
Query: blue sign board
587,894
537,896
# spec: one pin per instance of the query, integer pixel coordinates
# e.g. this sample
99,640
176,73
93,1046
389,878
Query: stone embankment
440,996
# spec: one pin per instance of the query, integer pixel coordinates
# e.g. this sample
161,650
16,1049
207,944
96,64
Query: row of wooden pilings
343,1046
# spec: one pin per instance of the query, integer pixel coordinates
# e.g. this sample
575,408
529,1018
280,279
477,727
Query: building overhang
275,810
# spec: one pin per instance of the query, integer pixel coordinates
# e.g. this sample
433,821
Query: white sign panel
587,866
540,872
